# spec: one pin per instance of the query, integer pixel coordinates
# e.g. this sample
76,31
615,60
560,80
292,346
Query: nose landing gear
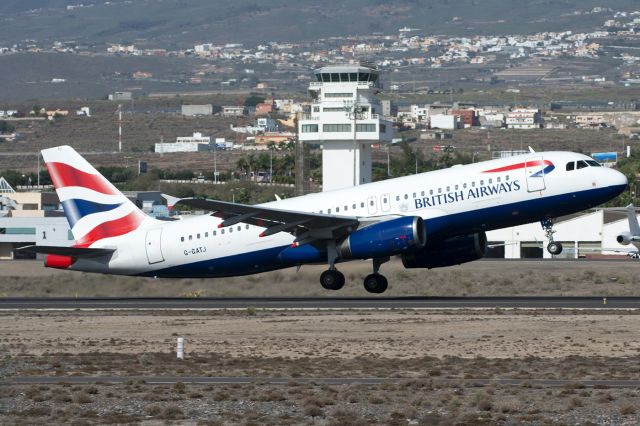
553,247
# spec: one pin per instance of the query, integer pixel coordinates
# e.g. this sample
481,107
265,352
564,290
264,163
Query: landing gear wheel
375,283
554,248
332,279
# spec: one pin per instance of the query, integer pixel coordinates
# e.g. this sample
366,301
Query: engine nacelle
624,238
452,251
382,239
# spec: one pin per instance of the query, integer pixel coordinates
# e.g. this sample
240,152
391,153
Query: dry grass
504,278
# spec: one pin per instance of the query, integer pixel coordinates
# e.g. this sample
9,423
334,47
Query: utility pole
119,127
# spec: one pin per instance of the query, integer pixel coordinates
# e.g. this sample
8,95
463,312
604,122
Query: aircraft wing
306,226
80,252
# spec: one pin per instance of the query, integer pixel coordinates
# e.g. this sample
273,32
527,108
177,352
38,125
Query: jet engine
452,251
624,238
382,239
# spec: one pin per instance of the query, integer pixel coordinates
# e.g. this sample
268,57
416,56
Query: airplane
434,219
633,235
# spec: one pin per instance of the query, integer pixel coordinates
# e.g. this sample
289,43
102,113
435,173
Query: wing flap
79,252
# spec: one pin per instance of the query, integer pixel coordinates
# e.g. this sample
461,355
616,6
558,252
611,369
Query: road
523,302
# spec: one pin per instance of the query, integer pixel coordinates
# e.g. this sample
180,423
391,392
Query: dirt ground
480,278
437,357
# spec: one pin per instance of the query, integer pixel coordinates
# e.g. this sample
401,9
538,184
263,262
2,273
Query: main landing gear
553,247
376,283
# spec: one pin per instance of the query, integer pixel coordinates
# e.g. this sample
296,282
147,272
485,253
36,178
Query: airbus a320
430,220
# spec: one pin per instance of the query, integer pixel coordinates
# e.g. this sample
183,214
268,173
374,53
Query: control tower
345,119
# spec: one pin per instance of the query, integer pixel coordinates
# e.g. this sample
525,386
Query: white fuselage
454,201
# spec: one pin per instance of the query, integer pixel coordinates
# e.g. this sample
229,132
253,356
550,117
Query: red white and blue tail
94,207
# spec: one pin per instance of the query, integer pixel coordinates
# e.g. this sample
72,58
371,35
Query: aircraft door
534,172
152,244
386,202
372,205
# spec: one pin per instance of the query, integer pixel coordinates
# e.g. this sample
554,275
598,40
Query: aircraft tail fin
634,228
95,209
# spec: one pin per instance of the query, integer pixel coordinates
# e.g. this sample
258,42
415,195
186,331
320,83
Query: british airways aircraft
430,220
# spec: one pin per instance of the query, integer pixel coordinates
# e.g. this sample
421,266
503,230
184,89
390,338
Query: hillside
182,23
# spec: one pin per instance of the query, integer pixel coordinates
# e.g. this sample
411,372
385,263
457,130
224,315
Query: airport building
345,118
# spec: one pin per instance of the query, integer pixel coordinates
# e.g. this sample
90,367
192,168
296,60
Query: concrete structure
590,120
345,120
233,111
195,143
447,122
195,110
524,118
468,116
580,235
121,96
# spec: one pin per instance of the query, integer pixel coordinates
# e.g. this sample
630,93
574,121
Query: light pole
353,111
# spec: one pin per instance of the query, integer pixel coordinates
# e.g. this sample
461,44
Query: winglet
531,150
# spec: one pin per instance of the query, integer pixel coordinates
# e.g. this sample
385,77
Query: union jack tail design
94,207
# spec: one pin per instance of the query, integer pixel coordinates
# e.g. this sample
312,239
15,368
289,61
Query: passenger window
422,194
182,239
490,181
582,164
230,229
337,209
190,238
431,192
320,211
406,197
570,166
214,233
222,231
439,190
481,182
246,227
448,189
506,177
329,211
473,184
371,203
456,187
397,198
354,206
498,179
464,186
362,205
239,228
206,234
414,195
346,208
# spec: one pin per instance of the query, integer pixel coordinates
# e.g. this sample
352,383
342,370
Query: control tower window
335,77
344,77
353,76
363,76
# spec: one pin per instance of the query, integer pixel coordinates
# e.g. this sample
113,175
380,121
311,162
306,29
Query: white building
524,118
345,120
447,122
580,235
195,143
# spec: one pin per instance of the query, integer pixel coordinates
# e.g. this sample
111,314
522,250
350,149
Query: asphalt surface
614,383
536,302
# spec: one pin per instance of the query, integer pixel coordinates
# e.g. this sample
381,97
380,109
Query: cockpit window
582,164
593,163
570,166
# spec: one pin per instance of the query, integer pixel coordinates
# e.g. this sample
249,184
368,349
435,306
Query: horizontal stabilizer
79,252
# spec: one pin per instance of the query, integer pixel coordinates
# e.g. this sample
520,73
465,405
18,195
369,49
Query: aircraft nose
618,179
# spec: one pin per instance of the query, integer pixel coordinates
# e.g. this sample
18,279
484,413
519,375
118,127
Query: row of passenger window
214,233
448,188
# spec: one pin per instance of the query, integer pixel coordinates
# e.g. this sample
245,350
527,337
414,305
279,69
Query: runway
612,383
134,303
